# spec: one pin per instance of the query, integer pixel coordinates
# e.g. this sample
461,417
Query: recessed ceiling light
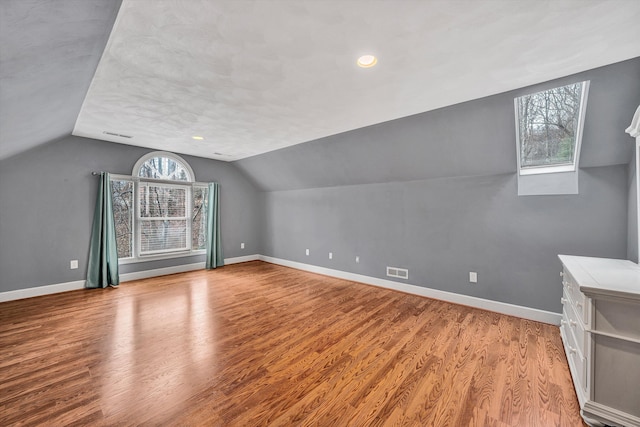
198,138
367,61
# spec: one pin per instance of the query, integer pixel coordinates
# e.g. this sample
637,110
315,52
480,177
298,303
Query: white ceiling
255,76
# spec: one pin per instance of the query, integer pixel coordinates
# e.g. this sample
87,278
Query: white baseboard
41,290
485,304
239,259
124,277
181,268
144,274
499,307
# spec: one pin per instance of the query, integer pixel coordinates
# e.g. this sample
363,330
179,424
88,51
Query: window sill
539,170
125,261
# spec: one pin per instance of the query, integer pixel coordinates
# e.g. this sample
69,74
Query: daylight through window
159,211
549,128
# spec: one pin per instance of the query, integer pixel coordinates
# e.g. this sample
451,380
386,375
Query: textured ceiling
255,76
474,138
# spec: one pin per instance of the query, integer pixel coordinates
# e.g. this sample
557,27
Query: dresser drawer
572,323
600,331
580,366
577,362
578,299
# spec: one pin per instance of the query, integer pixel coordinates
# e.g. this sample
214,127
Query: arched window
163,165
160,210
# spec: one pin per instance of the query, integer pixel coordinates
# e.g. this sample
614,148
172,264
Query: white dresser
601,334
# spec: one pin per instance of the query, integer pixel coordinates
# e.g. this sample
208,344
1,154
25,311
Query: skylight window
549,129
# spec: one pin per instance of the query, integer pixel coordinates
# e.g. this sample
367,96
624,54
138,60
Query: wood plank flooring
257,344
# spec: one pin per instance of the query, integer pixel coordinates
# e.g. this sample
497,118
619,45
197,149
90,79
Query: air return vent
117,134
400,273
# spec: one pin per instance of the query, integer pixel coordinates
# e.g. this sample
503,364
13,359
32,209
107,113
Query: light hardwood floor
257,344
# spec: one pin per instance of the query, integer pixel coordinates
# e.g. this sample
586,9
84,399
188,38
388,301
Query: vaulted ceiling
254,76
49,51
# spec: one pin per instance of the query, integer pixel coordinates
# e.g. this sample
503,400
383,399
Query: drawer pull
572,350
563,301
564,282
579,304
563,322
561,274
573,323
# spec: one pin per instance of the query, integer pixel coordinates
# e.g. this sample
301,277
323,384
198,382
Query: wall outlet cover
73,264
473,277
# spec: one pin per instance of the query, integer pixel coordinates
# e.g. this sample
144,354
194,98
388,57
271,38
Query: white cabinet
600,330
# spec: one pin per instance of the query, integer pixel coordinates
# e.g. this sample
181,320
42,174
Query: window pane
164,168
157,201
162,235
548,124
199,218
122,198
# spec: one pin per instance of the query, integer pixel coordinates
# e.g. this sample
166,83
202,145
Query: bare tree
547,124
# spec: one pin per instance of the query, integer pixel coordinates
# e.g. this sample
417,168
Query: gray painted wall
49,51
467,139
632,212
441,229
47,198
396,194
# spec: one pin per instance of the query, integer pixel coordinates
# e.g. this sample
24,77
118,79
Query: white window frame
186,217
137,181
573,167
553,179
174,157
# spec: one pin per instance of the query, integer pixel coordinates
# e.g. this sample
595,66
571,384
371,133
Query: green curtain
102,270
214,238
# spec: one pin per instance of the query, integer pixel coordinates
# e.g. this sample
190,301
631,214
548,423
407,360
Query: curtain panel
102,270
214,235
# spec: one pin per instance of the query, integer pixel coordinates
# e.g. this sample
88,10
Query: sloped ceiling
473,138
255,76
252,76
49,51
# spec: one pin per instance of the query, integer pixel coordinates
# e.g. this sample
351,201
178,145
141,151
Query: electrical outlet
357,260
330,255
241,245
473,277
306,252
73,264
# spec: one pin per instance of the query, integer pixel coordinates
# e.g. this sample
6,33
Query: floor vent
400,273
